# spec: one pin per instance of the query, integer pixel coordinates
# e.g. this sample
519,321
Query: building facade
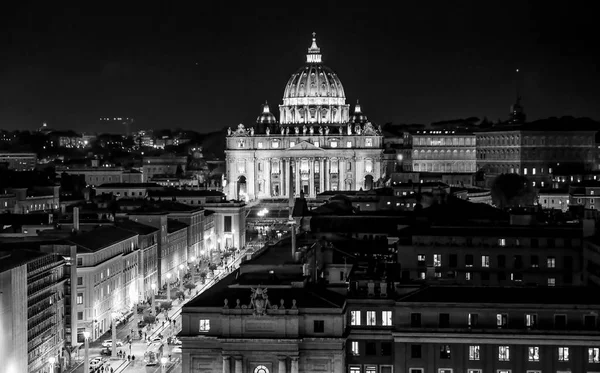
444,151
318,145
19,161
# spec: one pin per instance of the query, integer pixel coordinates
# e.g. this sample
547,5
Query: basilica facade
316,146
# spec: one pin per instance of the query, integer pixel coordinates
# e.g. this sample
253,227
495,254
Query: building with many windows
32,311
444,151
317,145
18,161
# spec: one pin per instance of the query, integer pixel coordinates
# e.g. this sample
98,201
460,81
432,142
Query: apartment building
495,255
445,329
107,277
32,310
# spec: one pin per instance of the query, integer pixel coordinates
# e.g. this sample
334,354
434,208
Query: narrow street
139,346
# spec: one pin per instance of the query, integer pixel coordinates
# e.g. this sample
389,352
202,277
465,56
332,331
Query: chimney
76,219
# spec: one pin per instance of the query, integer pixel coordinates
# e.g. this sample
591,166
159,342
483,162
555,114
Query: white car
154,340
95,364
108,343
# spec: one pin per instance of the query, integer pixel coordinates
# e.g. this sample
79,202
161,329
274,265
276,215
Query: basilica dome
314,94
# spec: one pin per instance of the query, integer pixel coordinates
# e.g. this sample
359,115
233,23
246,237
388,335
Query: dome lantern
314,52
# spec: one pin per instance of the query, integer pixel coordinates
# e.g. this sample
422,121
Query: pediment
305,145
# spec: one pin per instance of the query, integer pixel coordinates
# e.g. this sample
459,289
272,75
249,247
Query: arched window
368,165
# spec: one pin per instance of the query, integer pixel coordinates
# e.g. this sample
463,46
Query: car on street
108,343
141,324
154,340
173,341
95,364
105,351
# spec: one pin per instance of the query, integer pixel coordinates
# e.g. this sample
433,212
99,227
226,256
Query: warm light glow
181,266
52,360
193,259
169,276
86,335
115,315
153,286
163,360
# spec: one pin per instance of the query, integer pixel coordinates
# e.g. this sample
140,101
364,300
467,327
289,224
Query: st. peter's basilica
317,145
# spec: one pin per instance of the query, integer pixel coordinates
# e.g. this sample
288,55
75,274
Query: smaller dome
358,117
266,117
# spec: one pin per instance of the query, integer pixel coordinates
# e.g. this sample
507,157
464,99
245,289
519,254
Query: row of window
371,318
504,353
530,320
567,278
276,144
517,261
500,242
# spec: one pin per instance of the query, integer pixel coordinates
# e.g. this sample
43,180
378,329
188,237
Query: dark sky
212,66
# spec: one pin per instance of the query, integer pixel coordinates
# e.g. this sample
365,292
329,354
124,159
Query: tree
512,190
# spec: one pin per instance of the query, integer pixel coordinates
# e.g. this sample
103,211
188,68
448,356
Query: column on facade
256,177
226,364
238,364
297,176
326,173
342,173
321,175
267,172
281,368
311,177
285,183
294,365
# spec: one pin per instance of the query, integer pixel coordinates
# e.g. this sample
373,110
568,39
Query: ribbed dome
314,80
266,117
358,117
314,94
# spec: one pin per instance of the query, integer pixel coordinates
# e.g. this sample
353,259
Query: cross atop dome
266,107
314,52
357,108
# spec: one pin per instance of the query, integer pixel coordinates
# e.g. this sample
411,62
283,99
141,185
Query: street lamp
168,286
181,267
86,341
153,286
51,361
114,334
163,363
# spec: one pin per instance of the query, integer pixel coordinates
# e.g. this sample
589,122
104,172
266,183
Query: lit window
550,170
501,242
472,319
292,144
370,369
241,166
369,142
371,318
551,262
333,144
421,258
316,143
261,369
531,320
551,281
355,350
501,320
594,355
334,166
525,171
204,325
503,353
485,261
468,276
368,165
79,298
355,369
355,318
386,318
533,171
473,352
275,144
534,354
260,145
437,260
348,144
563,354
445,352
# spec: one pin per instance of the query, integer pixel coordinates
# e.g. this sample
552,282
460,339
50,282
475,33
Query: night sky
209,67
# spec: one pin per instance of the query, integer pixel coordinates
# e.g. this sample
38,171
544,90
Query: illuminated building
317,146
32,306
444,151
19,161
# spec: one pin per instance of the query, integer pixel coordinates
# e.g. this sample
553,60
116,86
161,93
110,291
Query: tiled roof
174,225
136,227
100,238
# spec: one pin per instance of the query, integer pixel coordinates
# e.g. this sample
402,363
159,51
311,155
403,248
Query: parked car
105,351
95,364
173,341
108,343
154,340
